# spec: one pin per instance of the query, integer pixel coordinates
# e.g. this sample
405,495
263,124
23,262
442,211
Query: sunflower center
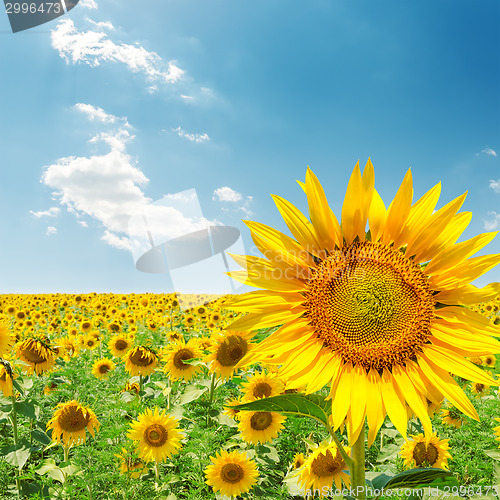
325,464
261,420
155,435
73,419
180,356
121,345
141,358
32,356
425,455
104,369
371,304
231,350
262,390
232,473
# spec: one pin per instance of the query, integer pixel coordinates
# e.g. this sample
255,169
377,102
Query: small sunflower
70,421
90,341
259,426
6,380
479,389
227,352
489,360
231,473
131,464
497,431
157,434
429,451
228,410
119,345
261,386
102,367
37,354
131,388
452,416
176,354
140,360
324,467
298,461
86,326
7,340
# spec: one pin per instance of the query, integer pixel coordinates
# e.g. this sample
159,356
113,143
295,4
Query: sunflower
231,473
7,340
479,389
6,380
298,461
261,386
119,345
324,467
228,410
89,341
452,416
378,310
70,421
429,451
227,352
140,361
176,354
134,387
157,434
37,353
259,426
497,431
102,367
86,326
489,360
131,464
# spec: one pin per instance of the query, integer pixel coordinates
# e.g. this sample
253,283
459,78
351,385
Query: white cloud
82,223
94,48
51,230
90,4
116,241
102,24
225,193
492,224
51,212
495,185
96,113
187,98
489,152
192,137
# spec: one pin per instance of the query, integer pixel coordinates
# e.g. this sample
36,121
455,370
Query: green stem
348,461
157,472
212,388
66,452
13,419
358,482
140,387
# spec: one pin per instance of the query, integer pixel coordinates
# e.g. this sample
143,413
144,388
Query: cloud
495,185
103,24
108,188
192,137
94,48
51,230
225,193
90,4
51,212
98,114
489,152
492,224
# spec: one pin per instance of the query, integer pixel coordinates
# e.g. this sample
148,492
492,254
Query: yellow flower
259,426
37,354
375,314
489,360
427,451
6,379
176,354
157,435
497,431
324,467
261,386
228,410
70,421
131,464
231,473
479,389
102,367
119,345
298,461
7,340
452,416
140,361
134,387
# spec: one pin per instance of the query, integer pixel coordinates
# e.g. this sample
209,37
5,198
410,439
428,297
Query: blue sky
117,105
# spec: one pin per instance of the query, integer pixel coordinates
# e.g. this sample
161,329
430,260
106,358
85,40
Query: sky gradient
120,107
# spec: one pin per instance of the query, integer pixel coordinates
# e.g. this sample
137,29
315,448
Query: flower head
37,353
375,313
259,426
140,361
102,367
176,354
429,451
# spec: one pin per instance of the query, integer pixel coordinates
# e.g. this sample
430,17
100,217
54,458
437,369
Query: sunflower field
363,367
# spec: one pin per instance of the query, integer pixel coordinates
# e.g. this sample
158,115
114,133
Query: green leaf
311,405
495,454
47,465
191,393
26,408
415,478
17,455
40,436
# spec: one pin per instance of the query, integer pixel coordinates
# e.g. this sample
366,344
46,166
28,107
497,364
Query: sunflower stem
140,387
357,469
66,452
157,472
211,396
13,419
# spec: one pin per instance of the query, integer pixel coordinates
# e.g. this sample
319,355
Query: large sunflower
427,451
7,340
157,435
37,354
70,421
376,314
231,473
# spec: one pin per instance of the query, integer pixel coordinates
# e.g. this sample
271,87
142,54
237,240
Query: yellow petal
342,397
394,402
352,209
264,320
374,405
377,216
